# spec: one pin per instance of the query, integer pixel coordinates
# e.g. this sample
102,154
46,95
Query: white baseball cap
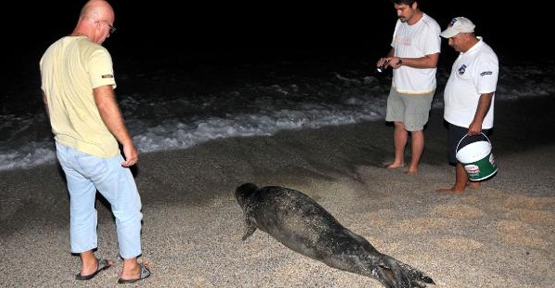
458,25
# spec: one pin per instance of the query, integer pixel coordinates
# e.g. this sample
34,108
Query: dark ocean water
186,76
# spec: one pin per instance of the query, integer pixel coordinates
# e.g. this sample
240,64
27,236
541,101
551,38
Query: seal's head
243,192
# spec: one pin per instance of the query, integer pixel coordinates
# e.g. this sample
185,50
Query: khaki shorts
412,110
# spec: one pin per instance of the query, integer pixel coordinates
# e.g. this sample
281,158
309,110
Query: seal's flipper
250,228
402,274
391,274
417,277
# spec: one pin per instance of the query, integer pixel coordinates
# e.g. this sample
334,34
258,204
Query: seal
301,224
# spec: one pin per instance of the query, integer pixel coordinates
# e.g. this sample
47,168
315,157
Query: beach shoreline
500,235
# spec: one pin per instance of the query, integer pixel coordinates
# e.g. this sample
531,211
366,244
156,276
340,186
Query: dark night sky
266,28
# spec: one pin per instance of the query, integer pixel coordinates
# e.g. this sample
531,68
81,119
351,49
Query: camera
383,67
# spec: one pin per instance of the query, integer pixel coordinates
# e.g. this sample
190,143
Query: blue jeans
85,175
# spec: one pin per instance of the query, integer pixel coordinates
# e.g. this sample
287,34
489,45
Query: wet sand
501,235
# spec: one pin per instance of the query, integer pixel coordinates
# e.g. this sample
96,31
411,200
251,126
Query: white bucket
477,159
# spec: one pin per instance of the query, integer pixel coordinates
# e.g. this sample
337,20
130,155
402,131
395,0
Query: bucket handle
457,149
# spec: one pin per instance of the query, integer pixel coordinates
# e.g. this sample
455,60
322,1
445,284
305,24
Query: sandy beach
501,235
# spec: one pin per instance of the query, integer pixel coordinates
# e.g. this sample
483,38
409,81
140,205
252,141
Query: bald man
78,93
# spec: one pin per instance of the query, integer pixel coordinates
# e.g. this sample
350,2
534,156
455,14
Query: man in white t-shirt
469,92
413,56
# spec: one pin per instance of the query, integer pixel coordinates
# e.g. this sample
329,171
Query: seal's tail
417,277
396,274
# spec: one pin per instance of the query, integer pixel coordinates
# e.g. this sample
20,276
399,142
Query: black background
265,30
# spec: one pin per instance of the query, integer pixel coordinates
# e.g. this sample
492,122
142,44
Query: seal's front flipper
250,229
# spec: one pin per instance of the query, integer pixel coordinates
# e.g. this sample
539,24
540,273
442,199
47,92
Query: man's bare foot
473,185
412,170
452,190
395,165
133,271
100,265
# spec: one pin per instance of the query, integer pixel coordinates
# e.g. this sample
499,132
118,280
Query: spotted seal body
301,224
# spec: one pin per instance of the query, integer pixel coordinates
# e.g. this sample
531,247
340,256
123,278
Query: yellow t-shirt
70,68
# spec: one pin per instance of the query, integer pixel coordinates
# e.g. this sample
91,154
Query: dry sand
501,235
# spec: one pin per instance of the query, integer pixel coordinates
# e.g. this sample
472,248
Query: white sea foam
165,111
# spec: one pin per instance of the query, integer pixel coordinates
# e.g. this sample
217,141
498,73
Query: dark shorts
456,133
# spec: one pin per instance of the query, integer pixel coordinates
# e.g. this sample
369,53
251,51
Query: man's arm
428,61
382,62
484,103
111,116
45,101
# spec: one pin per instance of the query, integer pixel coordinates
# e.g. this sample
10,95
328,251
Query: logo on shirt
107,76
405,41
486,73
462,69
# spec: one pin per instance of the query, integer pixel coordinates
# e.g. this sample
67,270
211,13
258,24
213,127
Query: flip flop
144,274
103,264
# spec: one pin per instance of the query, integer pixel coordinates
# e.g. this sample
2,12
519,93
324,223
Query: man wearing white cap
413,56
469,93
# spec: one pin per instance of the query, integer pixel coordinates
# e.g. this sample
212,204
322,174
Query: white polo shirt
473,73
